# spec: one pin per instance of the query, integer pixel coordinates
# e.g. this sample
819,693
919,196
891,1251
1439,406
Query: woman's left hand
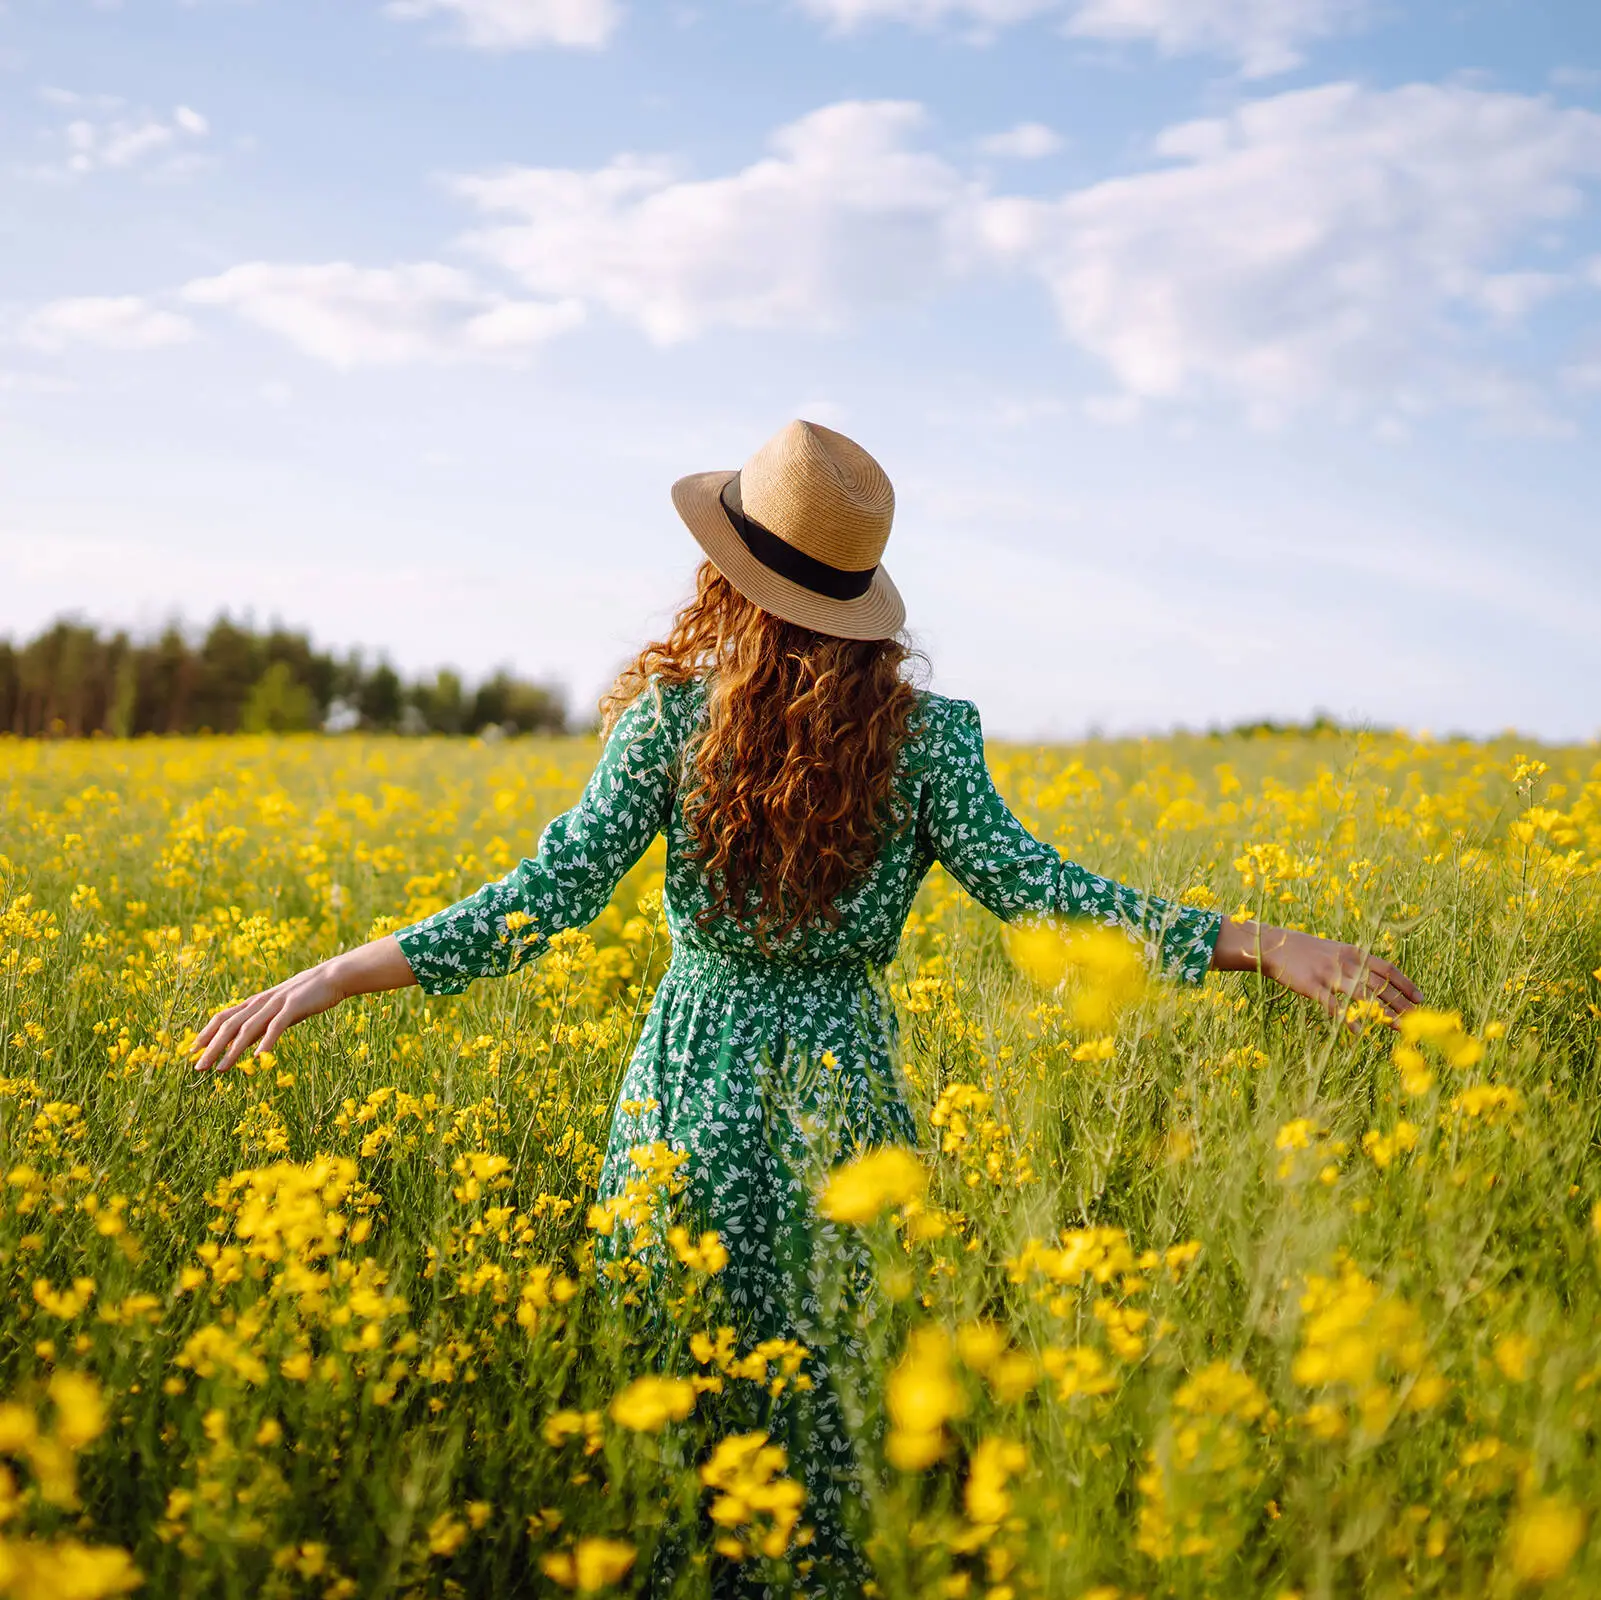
1325,970
1336,975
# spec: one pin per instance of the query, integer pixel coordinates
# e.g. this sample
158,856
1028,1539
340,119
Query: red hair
793,778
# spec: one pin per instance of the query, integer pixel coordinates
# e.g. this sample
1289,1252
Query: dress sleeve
582,857
969,827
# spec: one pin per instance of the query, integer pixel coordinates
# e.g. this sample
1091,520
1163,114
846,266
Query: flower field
1185,1293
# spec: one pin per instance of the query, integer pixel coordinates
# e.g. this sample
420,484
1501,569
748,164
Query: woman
805,788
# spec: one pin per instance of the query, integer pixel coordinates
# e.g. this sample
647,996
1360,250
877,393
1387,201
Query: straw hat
799,530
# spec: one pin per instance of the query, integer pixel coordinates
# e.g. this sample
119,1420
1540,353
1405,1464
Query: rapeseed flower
922,1394
1543,1537
986,1497
861,1190
590,1565
246,1291
755,1505
649,1403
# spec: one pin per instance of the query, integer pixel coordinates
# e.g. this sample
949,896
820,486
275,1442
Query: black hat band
780,556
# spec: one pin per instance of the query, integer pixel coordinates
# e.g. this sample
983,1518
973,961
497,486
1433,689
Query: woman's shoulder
674,691
942,715
662,708
947,732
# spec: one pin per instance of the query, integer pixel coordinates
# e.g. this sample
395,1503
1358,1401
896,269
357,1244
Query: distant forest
73,680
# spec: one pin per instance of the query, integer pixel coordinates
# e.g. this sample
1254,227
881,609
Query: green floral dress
726,1067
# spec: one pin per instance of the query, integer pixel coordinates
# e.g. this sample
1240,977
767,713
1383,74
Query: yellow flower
1122,1324
1490,1101
1513,1355
859,1191
1444,1030
590,1565
66,1570
80,1412
648,1404
745,1473
994,1463
922,1395
708,1255
1101,1049
1385,1147
981,1344
914,1452
1041,952
1416,1078
1362,1344
446,1534
1082,1369
1543,1538
64,1303
19,1428
1107,969
560,1426
1220,1390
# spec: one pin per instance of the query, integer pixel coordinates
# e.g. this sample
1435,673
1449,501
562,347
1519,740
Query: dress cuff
435,966
1188,943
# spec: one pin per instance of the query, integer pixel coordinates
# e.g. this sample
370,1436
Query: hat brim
876,614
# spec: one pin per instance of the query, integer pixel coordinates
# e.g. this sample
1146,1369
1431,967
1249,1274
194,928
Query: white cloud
73,100
118,322
1028,141
982,15
350,316
105,136
1333,244
1264,36
1508,297
1366,253
844,215
521,24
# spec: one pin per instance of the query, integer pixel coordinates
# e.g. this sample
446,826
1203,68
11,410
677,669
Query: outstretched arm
1002,865
582,855
968,826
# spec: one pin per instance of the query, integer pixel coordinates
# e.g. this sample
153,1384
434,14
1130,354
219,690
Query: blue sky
1231,358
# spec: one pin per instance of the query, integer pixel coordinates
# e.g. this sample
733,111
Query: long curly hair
790,792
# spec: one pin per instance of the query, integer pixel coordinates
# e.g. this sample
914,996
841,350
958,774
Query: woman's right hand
367,969
265,1016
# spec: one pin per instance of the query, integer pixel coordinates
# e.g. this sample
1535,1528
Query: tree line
73,680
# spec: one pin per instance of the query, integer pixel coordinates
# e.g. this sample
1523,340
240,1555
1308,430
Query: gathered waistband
700,960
